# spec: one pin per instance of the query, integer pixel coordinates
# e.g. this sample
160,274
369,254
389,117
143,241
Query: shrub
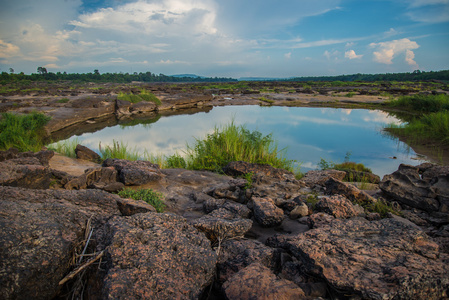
422,103
235,143
143,96
24,132
148,195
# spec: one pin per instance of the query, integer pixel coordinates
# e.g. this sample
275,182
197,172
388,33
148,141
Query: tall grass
24,132
422,103
119,150
143,96
235,143
66,148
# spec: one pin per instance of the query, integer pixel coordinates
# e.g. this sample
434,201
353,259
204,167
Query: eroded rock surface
134,172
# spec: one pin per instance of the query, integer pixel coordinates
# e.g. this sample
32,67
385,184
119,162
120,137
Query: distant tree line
416,75
43,74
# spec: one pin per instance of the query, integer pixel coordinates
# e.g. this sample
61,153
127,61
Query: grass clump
235,143
151,197
143,96
118,150
66,148
422,103
24,132
63,100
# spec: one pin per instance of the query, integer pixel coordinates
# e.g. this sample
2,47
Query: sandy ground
74,167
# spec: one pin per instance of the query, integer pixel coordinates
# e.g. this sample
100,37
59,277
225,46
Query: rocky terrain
65,234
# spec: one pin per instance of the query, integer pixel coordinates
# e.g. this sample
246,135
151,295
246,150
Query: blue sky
232,38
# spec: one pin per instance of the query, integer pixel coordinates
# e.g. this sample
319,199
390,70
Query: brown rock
134,172
157,256
336,187
386,259
129,207
239,168
93,178
25,172
337,206
317,177
85,153
258,282
266,213
299,211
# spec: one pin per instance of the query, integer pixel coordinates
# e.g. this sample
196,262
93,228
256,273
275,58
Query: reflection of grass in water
146,123
66,148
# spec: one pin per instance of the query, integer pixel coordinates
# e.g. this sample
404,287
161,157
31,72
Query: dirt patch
72,166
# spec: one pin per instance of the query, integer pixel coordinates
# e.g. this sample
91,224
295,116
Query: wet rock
258,282
424,187
266,213
85,153
317,177
157,256
134,172
386,259
222,224
239,168
40,229
337,206
337,187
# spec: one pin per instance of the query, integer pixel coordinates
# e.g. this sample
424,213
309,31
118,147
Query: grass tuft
151,197
66,148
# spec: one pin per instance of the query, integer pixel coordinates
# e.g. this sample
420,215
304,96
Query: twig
81,268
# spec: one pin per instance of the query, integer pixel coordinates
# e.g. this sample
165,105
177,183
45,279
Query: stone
337,206
425,188
385,259
232,190
97,178
39,232
25,172
143,107
157,256
266,213
299,211
240,168
134,172
337,187
222,224
258,282
129,207
82,152
319,219
319,177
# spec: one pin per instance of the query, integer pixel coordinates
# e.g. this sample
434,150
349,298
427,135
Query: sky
225,38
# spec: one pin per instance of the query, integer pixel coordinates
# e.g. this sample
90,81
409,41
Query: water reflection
308,133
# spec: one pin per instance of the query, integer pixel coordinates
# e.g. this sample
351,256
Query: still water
308,134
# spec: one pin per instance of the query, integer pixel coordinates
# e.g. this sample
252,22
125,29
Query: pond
308,134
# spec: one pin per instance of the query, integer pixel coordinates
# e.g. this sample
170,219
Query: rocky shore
65,234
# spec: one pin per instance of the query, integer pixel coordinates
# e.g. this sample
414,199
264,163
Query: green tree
41,70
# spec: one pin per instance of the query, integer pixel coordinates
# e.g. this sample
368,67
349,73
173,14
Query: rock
266,213
236,254
258,282
129,207
239,168
221,224
337,187
386,259
232,190
425,188
25,172
337,206
319,220
85,153
122,107
317,177
98,178
43,156
239,209
134,172
143,107
39,232
299,211
157,256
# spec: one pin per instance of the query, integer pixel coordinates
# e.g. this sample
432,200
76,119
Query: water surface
309,134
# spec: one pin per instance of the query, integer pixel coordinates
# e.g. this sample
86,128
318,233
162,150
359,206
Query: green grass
151,197
118,150
264,99
348,165
434,126
66,148
235,143
24,132
63,100
422,103
143,96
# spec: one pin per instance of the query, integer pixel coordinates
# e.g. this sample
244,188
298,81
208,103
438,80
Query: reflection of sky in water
308,133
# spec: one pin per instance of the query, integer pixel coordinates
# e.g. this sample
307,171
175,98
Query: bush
235,143
422,103
148,195
24,132
143,96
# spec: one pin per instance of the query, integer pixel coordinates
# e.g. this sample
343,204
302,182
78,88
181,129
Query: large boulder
27,172
99,178
425,187
266,213
319,177
239,168
337,187
258,282
157,256
39,232
337,206
386,259
134,172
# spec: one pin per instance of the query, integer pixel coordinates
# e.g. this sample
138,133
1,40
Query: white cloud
351,54
8,50
288,55
388,50
428,11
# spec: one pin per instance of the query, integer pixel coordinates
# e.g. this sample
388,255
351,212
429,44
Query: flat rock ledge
219,238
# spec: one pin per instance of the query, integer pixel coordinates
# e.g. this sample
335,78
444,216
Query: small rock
85,153
266,213
299,211
337,206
